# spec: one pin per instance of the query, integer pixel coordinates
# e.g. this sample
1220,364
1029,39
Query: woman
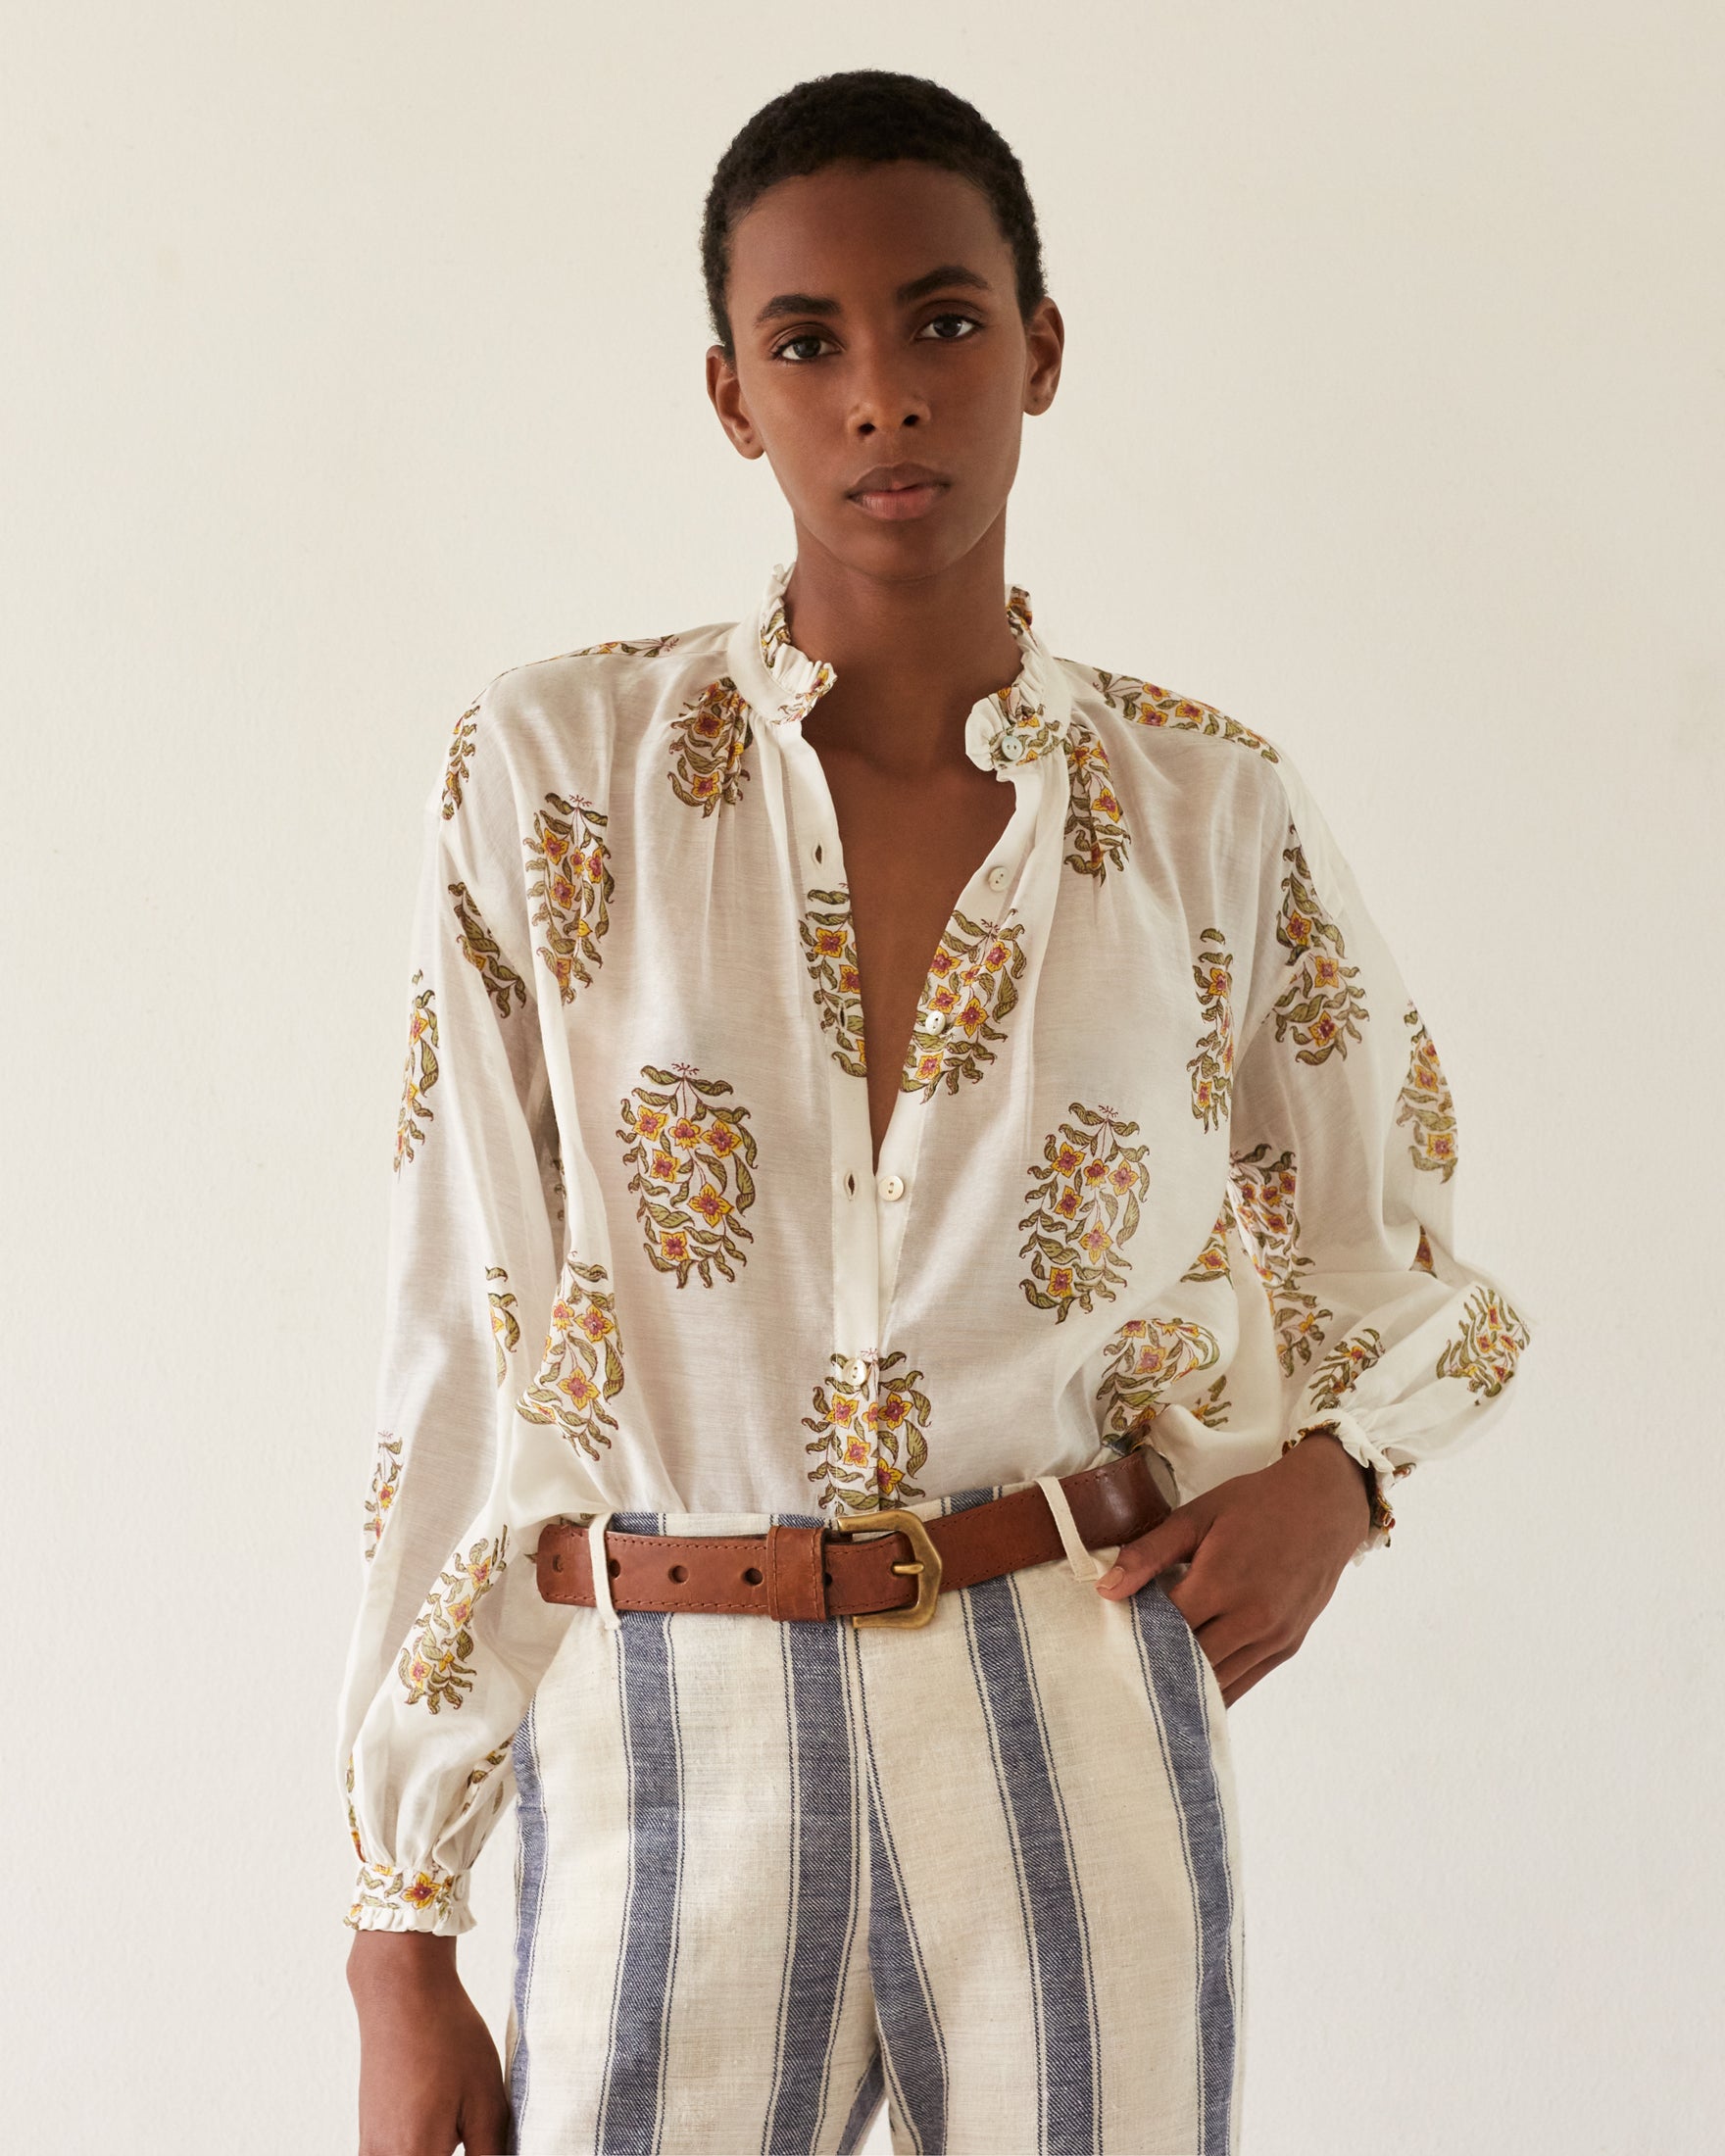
1101,1263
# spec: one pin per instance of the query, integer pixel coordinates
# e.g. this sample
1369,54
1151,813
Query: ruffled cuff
1380,1470
433,1900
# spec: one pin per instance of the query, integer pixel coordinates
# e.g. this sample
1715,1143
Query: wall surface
353,354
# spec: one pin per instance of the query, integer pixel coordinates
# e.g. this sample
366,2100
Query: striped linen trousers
770,1873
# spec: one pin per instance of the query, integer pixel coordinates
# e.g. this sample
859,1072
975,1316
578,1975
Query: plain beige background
353,354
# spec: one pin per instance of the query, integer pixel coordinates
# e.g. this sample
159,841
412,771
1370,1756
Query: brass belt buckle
925,1566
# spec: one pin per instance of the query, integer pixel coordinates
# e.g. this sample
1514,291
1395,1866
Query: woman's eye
788,350
933,318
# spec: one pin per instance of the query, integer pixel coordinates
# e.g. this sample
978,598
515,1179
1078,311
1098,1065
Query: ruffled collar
1008,729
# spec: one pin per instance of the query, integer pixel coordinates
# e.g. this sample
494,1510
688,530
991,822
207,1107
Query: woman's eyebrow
931,281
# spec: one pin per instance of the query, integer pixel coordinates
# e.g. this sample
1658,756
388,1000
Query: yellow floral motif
1212,1262
829,951
482,1774
506,1330
1029,723
582,1365
1211,1407
353,1824
1095,823
775,636
434,1662
1321,1002
1212,1067
1425,1102
1346,1360
1145,704
710,737
1144,1358
478,1777
1263,1211
420,1074
479,946
970,981
1382,1518
385,1887
692,1165
1084,1208
570,876
871,1437
461,755
385,1480
1492,1336
1422,1258
1035,731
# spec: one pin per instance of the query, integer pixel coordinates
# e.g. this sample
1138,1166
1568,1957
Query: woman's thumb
1170,1542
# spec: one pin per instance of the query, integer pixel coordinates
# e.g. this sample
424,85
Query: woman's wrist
1333,1458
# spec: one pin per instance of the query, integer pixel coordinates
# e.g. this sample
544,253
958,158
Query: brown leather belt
894,1578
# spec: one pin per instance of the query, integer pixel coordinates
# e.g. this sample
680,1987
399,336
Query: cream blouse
1172,1163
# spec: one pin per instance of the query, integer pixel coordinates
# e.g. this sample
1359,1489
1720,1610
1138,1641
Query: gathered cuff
429,1899
1380,1470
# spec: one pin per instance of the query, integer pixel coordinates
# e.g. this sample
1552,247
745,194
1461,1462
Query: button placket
867,1237
805,807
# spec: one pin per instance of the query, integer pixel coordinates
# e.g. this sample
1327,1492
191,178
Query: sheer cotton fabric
1173,1163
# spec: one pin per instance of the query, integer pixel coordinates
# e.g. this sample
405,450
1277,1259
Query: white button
1011,747
934,1021
892,1186
856,1371
997,876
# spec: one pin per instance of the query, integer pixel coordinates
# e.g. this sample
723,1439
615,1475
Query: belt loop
1086,1563
602,1602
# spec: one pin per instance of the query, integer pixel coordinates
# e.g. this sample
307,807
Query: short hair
868,115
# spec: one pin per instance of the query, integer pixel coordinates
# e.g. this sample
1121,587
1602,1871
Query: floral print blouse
1172,1163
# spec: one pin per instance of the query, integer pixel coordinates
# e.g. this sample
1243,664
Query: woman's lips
897,503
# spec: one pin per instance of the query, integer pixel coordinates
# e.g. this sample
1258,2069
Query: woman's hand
1265,1552
430,2080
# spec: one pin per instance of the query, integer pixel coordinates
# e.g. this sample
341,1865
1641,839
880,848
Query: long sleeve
452,1637
1343,1173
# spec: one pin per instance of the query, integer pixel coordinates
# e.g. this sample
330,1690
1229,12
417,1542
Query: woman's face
875,320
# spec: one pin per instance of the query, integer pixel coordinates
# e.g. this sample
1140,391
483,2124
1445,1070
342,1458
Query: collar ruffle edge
1010,725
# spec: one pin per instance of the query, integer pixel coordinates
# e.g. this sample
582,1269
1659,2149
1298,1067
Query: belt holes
680,1572
614,1566
827,1577
752,1576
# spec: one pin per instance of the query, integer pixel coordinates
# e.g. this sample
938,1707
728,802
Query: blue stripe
631,2106
1063,1999
915,2046
1175,1682
866,2102
529,1901
1091,2022
821,1906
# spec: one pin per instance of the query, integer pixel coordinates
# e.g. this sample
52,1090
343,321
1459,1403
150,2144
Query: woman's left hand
1265,1552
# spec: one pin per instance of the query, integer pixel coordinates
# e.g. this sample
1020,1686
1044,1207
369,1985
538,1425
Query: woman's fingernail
1112,1577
